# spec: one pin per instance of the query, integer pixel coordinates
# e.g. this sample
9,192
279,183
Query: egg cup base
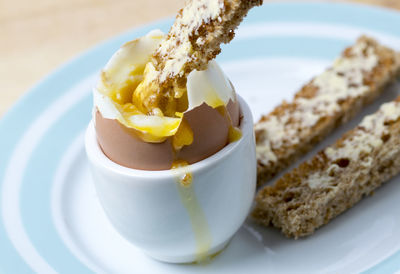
193,258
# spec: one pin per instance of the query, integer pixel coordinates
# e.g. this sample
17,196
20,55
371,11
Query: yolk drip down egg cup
190,212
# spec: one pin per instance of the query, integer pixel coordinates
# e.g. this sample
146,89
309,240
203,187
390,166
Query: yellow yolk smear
234,134
183,136
197,218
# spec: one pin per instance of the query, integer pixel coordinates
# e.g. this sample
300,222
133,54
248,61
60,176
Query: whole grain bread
356,78
197,34
336,178
193,40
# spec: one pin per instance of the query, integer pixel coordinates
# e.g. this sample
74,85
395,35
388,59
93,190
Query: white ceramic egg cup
146,207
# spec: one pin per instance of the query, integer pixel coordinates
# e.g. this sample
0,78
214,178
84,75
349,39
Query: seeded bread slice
327,101
336,178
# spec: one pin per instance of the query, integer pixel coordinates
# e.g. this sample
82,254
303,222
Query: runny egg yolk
185,177
152,128
123,95
234,134
166,117
202,233
183,136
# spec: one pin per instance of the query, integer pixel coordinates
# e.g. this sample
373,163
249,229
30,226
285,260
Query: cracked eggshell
210,131
124,146
207,90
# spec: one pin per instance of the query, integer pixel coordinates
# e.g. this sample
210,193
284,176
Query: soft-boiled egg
153,142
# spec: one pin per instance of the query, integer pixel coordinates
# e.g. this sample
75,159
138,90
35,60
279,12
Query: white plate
51,220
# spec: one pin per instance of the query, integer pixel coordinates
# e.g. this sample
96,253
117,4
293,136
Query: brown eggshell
234,112
210,134
234,108
123,146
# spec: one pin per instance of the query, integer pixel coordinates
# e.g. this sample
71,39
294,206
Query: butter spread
365,139
342,81
315,180
368,135
177,47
